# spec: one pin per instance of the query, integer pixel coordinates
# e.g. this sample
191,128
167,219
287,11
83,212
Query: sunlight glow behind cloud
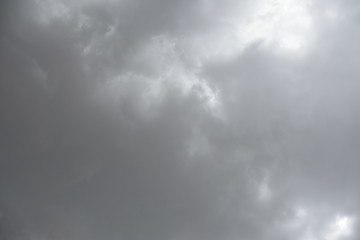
285,23
340,228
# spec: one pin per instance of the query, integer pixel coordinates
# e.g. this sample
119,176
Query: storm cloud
179,120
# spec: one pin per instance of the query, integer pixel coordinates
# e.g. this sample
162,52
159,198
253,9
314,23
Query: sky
179,120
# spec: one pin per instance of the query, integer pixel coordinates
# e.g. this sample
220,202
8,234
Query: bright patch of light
292,42
284,23
344,224
316,222
341,226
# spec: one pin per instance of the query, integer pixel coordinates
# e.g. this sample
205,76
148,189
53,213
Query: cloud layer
179,119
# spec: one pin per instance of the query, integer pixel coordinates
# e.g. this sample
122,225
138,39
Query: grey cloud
115,126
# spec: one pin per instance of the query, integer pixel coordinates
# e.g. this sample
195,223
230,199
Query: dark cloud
179,120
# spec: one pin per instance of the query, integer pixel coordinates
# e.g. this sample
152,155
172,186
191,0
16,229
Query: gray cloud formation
179,119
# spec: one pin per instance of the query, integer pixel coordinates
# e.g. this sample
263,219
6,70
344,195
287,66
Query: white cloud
339,227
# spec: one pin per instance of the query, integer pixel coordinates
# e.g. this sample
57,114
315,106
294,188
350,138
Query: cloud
179,120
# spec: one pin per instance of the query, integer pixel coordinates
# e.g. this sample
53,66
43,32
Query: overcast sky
179,119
